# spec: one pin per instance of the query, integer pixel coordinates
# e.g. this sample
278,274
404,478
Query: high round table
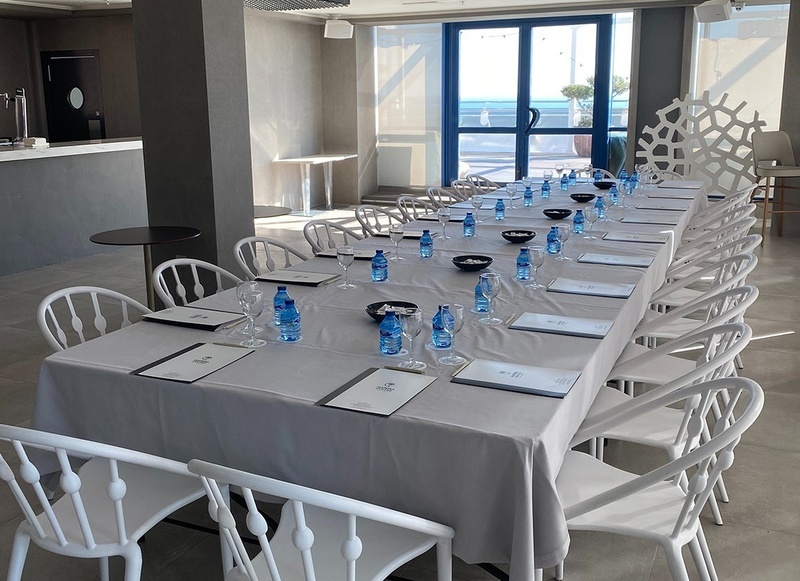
146,236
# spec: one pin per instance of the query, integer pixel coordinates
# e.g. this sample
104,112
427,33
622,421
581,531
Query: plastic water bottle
278,302
380,267
500,210
391,334
577,222
524,264
290,322
573,178
634,181
481,302
469,225
553,241
527,197
600,206
564,182
439,337
546,189
426,244
613,195
598,176
623,175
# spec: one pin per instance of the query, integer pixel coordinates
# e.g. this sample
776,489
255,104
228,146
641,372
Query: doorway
73,95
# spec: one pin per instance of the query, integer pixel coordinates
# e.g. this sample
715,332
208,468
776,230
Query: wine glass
511,191
345,255
564,231
241,289
412,322
559,168
590,215
547,174
477,203
444,218
252,307
537,260
458,321
396,235
624,189
490,288
588,168
527,181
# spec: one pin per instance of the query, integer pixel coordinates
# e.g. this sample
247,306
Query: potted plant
582,95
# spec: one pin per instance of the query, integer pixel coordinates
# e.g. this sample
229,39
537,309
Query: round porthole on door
75,98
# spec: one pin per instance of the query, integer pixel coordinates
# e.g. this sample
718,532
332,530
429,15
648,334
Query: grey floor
760,538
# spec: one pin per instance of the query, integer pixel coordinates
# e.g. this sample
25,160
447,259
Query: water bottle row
392,328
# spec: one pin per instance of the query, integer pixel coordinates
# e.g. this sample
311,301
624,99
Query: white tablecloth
480,460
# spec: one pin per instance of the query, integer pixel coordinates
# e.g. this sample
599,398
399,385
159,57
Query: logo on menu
388,386
203,360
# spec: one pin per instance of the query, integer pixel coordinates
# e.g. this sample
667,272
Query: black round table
146,236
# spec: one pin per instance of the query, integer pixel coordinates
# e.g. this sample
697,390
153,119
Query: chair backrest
482,183
110,520
412,208
257,255
772,146
84,303
705,462
717,208
715,237
744,245
299,498
180,273
442,198
374,219
322,235
463,189
727,273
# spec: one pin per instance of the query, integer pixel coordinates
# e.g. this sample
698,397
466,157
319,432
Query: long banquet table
480,460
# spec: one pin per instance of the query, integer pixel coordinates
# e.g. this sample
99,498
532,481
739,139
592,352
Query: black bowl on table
377,311
557,213
518,236
582,198
604,184
472,262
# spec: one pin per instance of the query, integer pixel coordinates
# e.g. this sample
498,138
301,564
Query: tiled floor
760,538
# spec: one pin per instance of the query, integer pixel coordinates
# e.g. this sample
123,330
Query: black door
73,95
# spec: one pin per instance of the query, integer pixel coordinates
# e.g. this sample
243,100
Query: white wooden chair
461,189
107,506
412,208
257,255
183,272
660,505
84,303
482,183
442,198
320,534
322,235
374,219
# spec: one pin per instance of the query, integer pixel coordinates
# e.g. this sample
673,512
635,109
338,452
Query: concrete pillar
790,114
190,59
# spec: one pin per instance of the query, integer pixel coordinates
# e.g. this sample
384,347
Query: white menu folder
378,391
597,289
615,259
299,277
562,325
681,184
515,377
658,220
206,319
636,237
193,363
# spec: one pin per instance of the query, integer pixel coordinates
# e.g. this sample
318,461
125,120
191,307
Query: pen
230,345
460,369
395,368
510,319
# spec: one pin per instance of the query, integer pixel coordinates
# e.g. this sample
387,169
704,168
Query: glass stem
452,344
345,277
411,349
252,323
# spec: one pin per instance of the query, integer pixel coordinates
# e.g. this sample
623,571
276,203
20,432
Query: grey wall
366,104
49,207
15,72
790,114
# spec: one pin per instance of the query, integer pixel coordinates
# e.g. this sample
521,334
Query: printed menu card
597,289
681,184
662,205
298,277
615,259
412,234
638,237
560,325
659,220
378,391
673,194
359,253
514,377
193,363
206,319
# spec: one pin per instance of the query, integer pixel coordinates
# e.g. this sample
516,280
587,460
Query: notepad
681,184
519,378
358,254
435,218
639,237
560,325
206,319
661,206
299,277
193,363
656,220
411,234
597,289
378,391
615,259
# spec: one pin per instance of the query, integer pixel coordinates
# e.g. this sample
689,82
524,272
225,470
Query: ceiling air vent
294,4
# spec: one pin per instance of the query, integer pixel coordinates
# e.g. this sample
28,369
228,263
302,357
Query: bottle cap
379,252
281,287
289,302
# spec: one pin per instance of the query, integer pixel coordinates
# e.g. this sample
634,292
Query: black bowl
373,309
556,213
472,262
518,236
582,198
604,184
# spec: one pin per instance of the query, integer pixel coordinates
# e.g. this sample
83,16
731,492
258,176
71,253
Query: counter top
8,153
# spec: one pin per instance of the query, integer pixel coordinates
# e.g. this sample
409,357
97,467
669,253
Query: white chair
683,267
714,209
374,219
708,232
89,303
461,189
320,534
659,506
257,255
773,160
442,198
181,269
322,235
107,506
482,183
412,208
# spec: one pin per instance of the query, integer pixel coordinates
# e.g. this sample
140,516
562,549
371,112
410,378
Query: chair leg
780,209
104,572
675,563
722,489
601,442
538,575
699,561
560,571
19,550
444,560
227,555
593,447
766,211
701,538
712,502
739,362
133,563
